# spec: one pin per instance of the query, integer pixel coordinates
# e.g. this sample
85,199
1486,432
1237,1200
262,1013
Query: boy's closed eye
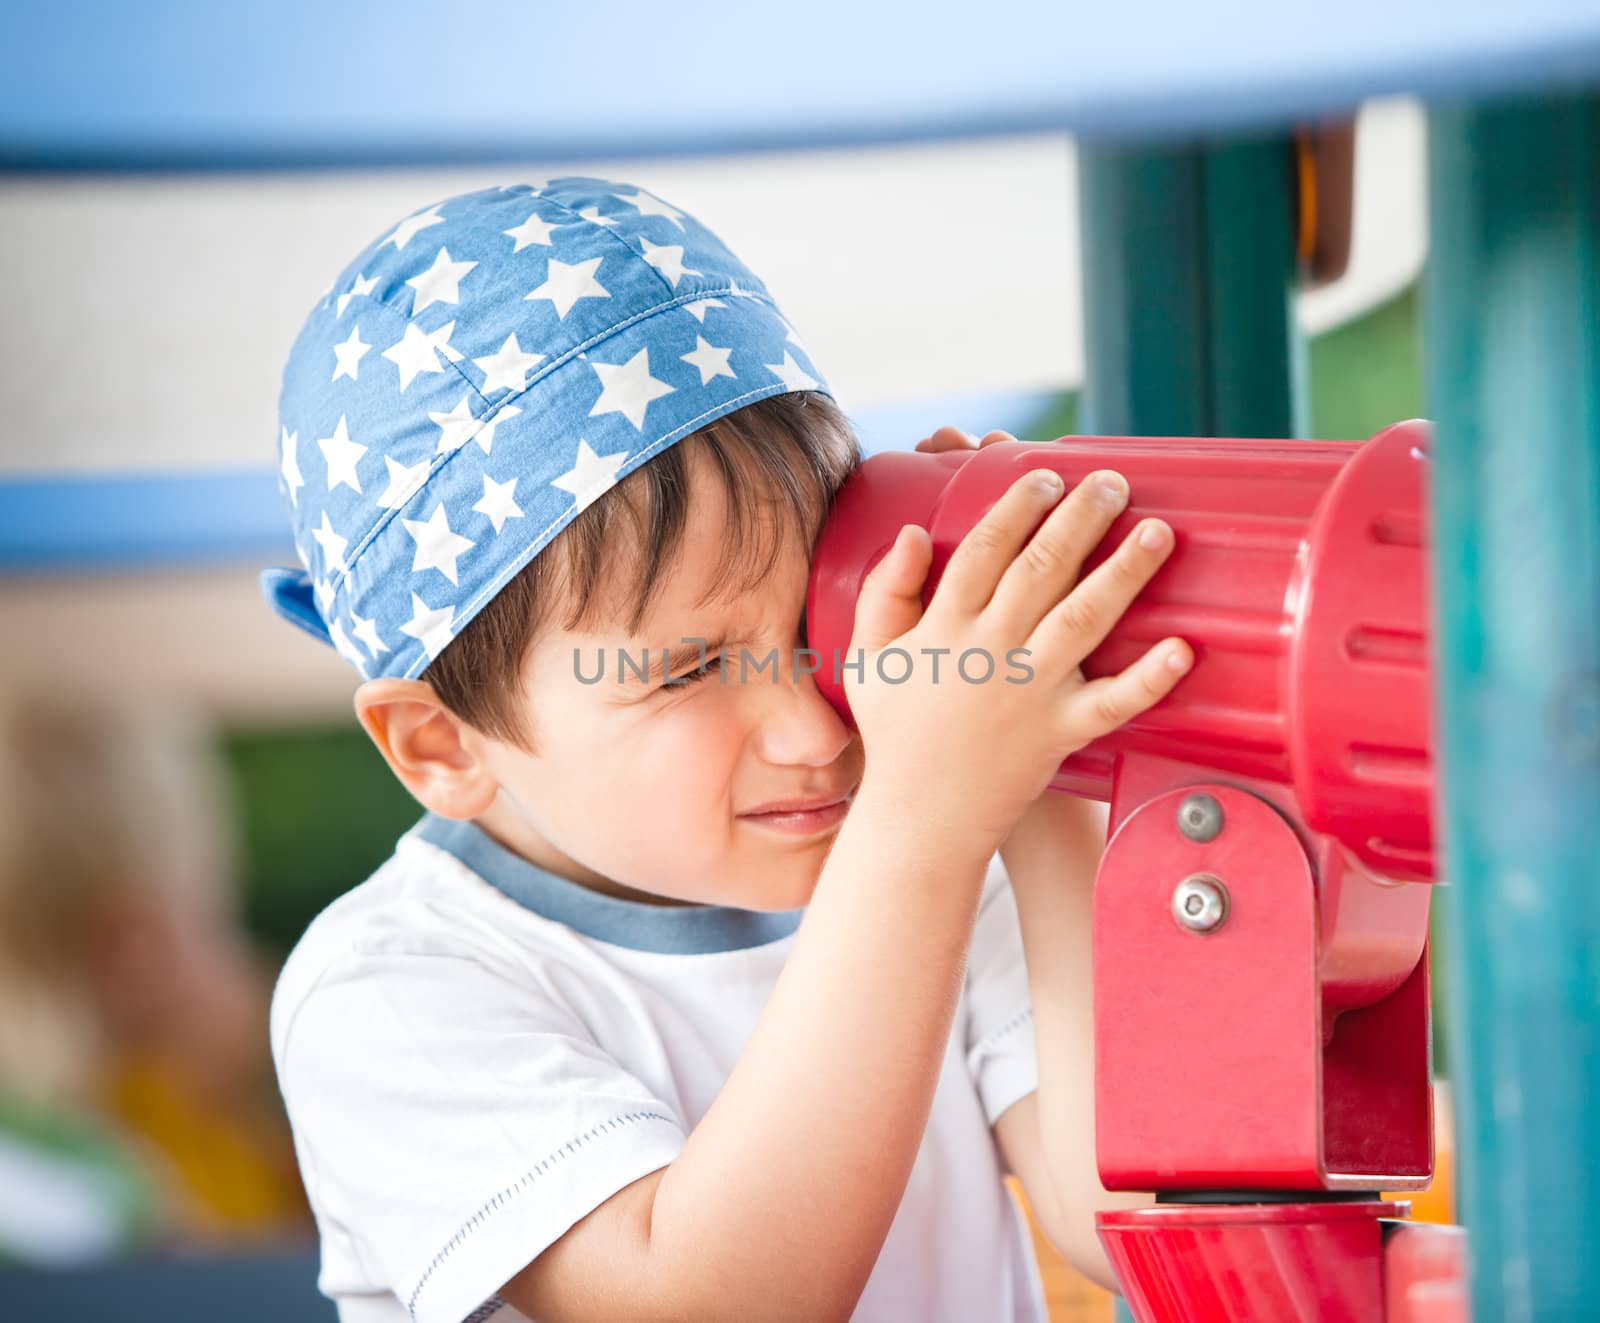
713,660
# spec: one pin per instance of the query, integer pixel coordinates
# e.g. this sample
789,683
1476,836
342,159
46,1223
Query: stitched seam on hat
527,1179
637,252
410,319
538,543
555,365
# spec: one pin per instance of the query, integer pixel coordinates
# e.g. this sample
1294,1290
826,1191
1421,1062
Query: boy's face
640,787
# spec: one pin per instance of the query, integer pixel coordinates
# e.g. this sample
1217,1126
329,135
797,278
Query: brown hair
790,451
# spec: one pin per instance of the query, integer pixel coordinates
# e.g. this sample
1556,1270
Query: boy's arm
1048,1137
780,1200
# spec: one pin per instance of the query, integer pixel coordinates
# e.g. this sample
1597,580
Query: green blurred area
320,809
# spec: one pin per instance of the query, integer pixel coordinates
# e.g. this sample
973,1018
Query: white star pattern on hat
567,282
332,545
407,229
484,436
650,205
497,503
347,649
667,258
628,360
429,627
403,482
627,388
437,546
508,369
591,476
417,351
711,361
366,631
456,427
699,306
341,454
791,374
440,282
533,230
349,354
291,465
362,286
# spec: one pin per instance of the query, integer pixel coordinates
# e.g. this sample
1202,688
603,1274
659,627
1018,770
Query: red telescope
1260,914
1297,577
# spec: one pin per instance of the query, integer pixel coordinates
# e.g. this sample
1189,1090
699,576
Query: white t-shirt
475,1053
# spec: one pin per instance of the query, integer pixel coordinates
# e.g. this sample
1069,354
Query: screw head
1200,903
1200,817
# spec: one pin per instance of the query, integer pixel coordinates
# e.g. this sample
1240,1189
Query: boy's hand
979,752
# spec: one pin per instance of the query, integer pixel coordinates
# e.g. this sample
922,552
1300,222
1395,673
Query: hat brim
289,592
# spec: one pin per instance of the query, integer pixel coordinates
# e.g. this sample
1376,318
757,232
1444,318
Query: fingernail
1178,661
1152,536
1048,480
1113,488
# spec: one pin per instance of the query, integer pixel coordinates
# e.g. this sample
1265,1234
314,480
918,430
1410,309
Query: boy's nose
797,724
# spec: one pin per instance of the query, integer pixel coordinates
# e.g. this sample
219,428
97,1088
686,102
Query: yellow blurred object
1438,1202
237,1177
1068,1294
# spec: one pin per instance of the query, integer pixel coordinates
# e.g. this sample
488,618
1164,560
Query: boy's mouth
802,814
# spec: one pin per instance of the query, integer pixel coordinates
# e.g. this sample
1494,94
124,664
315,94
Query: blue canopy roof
192,85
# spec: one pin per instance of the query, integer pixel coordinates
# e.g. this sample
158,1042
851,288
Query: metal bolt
1200,903
1200,818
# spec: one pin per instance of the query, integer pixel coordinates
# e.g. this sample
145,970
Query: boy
665,1010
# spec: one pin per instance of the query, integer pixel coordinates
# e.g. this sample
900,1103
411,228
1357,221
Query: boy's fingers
1102,705
1050,564
947,438
994,438
992,543
1079,623
890,601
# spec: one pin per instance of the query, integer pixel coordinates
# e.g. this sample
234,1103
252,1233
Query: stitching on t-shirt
544,1165
1020,1018
487,1310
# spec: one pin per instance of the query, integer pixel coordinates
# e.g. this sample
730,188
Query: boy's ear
436,755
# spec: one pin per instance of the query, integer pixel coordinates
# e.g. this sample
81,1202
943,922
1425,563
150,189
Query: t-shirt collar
665,929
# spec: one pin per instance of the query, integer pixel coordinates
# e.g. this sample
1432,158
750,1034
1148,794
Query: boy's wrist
894,804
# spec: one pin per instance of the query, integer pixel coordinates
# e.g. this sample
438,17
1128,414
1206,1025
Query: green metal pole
1188,270
1512,345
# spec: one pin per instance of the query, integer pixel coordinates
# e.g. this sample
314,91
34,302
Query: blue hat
482,373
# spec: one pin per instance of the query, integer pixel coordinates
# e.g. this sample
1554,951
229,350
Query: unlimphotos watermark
892,665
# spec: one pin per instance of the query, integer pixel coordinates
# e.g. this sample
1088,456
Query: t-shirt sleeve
1001,1053
456,1121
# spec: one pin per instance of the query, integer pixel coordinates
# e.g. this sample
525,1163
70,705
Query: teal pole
1512,347
1188,278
